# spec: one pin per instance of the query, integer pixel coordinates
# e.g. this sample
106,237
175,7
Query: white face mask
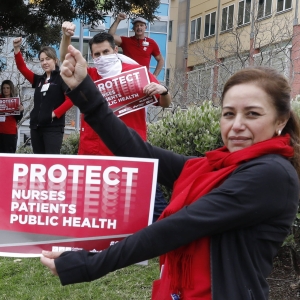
108,65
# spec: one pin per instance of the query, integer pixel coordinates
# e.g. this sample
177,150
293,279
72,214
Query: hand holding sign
154,88
74,68
48,260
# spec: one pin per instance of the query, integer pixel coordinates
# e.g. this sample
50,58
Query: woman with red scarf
229,212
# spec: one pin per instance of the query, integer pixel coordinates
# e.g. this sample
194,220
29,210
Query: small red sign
9,106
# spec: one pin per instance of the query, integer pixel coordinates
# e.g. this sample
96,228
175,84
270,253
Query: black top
247,217
46,102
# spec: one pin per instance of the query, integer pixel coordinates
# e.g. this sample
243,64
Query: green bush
24,150
70,144
193,131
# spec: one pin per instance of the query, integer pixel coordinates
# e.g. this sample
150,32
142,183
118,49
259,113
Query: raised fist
68,28
74,68
17,42
121,16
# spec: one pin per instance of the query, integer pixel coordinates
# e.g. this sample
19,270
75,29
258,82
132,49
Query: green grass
29,279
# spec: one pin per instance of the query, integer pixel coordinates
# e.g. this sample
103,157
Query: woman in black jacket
47,118
229,212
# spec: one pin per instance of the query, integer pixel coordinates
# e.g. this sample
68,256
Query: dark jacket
46,102
247,217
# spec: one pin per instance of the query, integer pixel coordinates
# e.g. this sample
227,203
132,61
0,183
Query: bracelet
166,92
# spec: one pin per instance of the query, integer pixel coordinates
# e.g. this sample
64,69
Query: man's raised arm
113,28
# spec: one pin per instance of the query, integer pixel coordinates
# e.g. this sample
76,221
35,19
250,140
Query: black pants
46,140
8,143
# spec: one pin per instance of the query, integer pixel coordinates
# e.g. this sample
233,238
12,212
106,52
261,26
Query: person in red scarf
229,212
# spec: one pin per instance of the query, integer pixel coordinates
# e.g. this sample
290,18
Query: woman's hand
68,28
48,260
74,68
17,44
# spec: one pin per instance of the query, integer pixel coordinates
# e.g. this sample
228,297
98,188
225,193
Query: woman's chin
233,148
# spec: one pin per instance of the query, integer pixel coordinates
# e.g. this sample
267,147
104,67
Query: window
167,77
278,58
195,29
210,24
244,12
159,26
230,66
86,51
200,82
122,29
227,18
264,8
170,31
283,5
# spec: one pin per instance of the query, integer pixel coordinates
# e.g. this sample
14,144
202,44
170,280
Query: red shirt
134,48
90,142
10,124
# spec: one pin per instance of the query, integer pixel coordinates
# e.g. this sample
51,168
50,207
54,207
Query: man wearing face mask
107,63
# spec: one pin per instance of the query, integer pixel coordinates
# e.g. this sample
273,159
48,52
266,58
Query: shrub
24,149
70,144
193,131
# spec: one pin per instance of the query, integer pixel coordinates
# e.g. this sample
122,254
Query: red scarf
198,177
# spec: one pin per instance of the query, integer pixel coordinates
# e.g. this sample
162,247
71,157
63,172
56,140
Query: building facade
225,36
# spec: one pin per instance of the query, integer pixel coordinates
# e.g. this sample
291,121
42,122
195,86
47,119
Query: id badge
145,44
2,118
45,87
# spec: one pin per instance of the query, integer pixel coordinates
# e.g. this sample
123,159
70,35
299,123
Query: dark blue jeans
160,203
